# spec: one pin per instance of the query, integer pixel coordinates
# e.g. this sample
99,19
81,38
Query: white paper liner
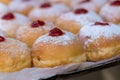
43,73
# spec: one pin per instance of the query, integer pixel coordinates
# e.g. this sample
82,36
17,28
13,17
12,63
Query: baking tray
93,68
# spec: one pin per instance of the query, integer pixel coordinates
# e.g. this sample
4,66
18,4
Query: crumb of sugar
65,39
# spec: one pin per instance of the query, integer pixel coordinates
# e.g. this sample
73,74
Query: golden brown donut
31,31
48,11
73,21
14,55
100,40
57,48
110,12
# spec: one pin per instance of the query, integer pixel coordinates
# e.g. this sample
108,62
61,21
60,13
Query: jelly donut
14,55
57,48
10,22
2,33
48,11
73,21
101,40
111,11
30,32
93,5
24,6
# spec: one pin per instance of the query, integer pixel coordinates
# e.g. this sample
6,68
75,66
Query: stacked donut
50,33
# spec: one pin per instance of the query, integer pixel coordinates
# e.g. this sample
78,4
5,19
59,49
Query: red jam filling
45,5
55,32
84,1
81,11
38,23
8,16
101,23
115,3
2,39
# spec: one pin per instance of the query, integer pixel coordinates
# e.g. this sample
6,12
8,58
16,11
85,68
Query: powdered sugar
3,9
96,31
65,39
93,5
56,10
81,19
110,13
2,33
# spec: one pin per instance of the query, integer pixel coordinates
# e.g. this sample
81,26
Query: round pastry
3,9
30,32
93,5
100,40
5,1
111,11
73,21
14,55
10,22
24,6
48,11
57,48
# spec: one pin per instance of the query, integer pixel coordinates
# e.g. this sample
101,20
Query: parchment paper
43,73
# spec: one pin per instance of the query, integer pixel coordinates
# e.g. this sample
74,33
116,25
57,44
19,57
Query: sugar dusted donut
24,6
14,55
57,48
111,11
10,22
73,21
30,32
93,5
100,40
48,11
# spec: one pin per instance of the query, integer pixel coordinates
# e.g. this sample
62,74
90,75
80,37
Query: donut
24,6
93,5
73,21
30,32
101,40
14,55
110,12
57,48
48,11
10,22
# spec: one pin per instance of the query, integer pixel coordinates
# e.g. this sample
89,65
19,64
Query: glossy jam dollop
8,16
81,11
115,3
55,32
101,23
2,39
37,23
45,5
